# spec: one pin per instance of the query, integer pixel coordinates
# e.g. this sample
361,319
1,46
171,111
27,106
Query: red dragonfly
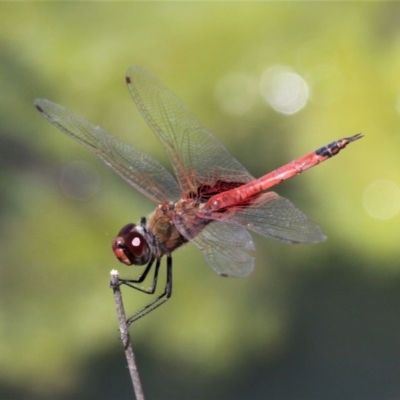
214,201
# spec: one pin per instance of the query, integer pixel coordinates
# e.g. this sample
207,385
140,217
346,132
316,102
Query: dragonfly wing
141,171
277,218
227,247
197,157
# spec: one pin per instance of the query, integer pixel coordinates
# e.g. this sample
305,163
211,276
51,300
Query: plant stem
125,337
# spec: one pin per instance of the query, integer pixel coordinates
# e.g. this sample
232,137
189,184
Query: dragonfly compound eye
130,246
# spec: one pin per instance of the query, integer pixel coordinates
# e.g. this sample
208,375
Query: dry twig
125,337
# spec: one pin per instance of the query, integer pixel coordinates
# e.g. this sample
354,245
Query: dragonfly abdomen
243,193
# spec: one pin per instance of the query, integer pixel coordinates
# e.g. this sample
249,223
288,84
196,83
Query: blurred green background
311,322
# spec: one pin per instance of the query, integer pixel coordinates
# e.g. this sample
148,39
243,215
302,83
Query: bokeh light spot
321,65
284,90
382,199
398,104
236,93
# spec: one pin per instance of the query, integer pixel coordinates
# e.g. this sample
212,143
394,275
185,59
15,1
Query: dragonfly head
130,245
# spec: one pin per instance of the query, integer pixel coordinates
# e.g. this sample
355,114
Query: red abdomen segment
241,194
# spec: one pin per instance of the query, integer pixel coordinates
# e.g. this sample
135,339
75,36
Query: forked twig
125,337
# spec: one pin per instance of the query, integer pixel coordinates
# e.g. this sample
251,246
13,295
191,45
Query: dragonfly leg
133,283
162,298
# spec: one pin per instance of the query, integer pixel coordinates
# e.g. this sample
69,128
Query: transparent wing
226,243
141,171
277,218
227,248
196,155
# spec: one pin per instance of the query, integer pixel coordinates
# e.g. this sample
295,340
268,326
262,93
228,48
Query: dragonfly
213,201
